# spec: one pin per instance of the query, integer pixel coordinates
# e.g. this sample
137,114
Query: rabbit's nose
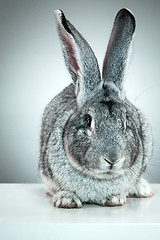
111,162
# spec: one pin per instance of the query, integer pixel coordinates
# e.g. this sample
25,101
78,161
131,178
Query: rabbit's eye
88,120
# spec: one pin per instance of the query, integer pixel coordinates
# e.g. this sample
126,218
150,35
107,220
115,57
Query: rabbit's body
95,144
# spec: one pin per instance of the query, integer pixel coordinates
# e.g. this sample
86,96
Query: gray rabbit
95,145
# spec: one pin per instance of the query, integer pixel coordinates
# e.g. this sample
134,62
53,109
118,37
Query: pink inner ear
72,57
69,42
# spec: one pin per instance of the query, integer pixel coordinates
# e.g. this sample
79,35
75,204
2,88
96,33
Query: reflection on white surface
25,203
25,213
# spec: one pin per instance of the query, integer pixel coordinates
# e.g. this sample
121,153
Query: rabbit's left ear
116,57
79,58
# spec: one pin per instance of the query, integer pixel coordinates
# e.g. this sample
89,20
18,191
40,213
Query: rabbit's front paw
141,190
64,199
115,201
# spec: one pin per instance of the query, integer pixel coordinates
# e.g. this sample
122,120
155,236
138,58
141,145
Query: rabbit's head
100,138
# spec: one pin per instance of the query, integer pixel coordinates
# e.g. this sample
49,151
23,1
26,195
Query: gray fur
95,144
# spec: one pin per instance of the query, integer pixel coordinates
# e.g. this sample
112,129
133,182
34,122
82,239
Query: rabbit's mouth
109,166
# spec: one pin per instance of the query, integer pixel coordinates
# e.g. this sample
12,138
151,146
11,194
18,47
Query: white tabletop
27,205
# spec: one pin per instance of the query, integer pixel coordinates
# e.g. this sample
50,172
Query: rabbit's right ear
116,57
79,58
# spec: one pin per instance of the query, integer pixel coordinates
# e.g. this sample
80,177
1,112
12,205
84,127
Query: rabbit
95,144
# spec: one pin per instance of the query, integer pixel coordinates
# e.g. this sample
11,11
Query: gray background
32,71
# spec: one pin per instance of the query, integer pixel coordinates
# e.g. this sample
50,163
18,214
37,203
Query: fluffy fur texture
95,144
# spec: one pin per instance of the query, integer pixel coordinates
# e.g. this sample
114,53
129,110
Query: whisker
144,92
153,177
